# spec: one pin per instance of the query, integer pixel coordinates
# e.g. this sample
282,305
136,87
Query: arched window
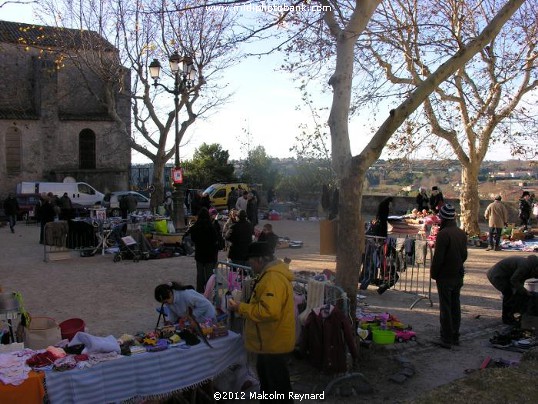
86,149
13,151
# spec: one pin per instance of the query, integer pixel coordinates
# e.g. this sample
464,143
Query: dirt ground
117,298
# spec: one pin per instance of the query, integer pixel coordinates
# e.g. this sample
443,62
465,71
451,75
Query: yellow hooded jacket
270,315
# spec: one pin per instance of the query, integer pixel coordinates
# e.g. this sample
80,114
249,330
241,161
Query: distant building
51,124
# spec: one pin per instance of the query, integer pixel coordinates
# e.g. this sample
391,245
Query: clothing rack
401,263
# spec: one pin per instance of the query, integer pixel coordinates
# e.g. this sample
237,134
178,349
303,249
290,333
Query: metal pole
178,203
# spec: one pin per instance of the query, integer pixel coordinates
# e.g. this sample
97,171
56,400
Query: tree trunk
350,236
469,198
157,197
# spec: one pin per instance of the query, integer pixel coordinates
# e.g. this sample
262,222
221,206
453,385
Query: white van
79,192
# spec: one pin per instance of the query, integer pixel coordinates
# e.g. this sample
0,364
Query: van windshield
86,189
209,190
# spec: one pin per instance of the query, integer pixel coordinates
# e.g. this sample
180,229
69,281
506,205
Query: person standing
232,199
525,209
206,248
241,203
382,217
436,200
252,209
447,270
11,209
422,199
508,276
132,203
46,214
269,329
497,216
168,204
66,206
240,236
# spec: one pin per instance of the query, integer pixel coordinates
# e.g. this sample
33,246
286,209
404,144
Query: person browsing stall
508,276
269,329
183,300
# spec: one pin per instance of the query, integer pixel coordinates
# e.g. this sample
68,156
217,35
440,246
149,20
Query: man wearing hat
269,329
447,271
436,200
497,216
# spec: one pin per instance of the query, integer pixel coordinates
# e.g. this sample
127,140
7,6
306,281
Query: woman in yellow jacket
269,320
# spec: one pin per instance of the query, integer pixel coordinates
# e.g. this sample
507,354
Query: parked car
27,205
111,202
29,202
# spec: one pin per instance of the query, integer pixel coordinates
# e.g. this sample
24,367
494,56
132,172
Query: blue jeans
495,231
12,221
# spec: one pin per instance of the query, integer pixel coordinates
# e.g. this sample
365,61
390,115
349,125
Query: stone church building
54,120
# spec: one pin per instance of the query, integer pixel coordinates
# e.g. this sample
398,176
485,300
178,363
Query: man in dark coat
508,276
11,209
206,251
447,270
240,236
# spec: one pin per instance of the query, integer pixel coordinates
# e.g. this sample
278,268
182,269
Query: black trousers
274,375
512,303
204,270
449,308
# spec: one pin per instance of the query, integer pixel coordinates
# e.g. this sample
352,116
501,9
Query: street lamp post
183,81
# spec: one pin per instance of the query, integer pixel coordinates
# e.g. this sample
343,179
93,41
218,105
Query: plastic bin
383,337
70,327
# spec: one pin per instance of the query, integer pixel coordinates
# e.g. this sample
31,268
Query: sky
264,103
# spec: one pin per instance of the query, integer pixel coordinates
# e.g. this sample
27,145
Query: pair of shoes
498,248
489,248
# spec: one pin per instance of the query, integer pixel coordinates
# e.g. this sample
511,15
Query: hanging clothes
326,334
371,262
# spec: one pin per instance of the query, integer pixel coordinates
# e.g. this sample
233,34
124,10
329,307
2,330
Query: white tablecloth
145,375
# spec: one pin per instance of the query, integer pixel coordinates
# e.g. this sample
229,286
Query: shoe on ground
489,248
498,248
442,343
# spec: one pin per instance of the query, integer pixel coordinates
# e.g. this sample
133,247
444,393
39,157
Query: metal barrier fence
401,263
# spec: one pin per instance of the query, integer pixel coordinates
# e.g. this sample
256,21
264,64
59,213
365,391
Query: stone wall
49,109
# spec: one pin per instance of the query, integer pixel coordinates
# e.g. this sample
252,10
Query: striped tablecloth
145,375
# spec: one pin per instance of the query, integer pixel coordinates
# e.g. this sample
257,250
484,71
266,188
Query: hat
498,198
435,188
213,211
447,212
525,193
242,214
259,249
168,193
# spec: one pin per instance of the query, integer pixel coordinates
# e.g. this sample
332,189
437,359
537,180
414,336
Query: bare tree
143,30
474,108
